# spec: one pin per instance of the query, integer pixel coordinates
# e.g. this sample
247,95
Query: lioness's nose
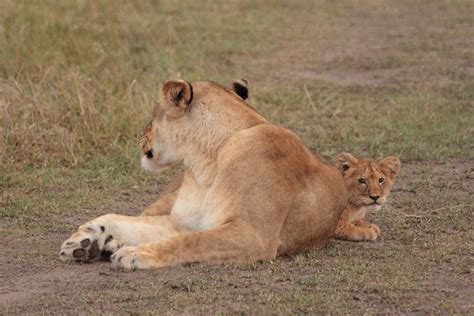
149,154
374,197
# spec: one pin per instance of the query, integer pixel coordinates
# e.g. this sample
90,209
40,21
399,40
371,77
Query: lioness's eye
381,180
362,180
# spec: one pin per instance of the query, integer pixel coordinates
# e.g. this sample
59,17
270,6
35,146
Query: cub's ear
392,164
241,87
345,161
176,96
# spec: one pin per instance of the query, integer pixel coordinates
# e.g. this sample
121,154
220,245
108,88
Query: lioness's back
312,190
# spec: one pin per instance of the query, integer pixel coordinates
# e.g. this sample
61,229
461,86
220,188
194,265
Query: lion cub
368,183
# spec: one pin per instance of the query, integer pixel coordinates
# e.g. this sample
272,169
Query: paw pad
85,243
88,244
79,253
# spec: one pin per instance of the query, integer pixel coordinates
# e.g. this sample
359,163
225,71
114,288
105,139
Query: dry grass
78,80
77,83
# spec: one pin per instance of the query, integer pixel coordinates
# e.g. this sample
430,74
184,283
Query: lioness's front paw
132,258
89,243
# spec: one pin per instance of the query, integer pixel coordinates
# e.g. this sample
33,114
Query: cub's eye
363,181
381,180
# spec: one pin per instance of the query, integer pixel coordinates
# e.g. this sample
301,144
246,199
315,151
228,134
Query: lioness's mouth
149,154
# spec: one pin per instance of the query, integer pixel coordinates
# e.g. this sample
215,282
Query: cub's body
368,183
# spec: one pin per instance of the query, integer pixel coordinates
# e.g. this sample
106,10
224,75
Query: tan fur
352,225
167,197
251,189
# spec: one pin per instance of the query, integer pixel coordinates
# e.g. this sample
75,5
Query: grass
78,80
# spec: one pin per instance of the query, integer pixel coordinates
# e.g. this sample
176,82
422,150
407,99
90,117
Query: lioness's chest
195,209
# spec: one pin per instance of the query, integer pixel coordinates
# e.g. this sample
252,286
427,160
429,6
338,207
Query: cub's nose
374,197
149,154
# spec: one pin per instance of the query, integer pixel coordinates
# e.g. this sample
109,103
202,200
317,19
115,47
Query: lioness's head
368,181
187,114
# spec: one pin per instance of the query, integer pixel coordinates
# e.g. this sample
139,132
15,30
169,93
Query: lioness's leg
347,231
166,200
161,207
106,234
230,242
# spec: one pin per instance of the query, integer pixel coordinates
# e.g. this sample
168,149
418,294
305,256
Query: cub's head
368,181
160,135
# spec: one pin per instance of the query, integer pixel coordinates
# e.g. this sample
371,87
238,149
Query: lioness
251,191
368,183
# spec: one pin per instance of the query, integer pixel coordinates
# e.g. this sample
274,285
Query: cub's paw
371,232
375,228
361,223
133,258
91,242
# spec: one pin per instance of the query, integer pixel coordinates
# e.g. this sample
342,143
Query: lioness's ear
241,87
391,163
176,96
345,161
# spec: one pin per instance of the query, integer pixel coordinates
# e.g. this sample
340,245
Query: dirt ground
422,264
342,63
